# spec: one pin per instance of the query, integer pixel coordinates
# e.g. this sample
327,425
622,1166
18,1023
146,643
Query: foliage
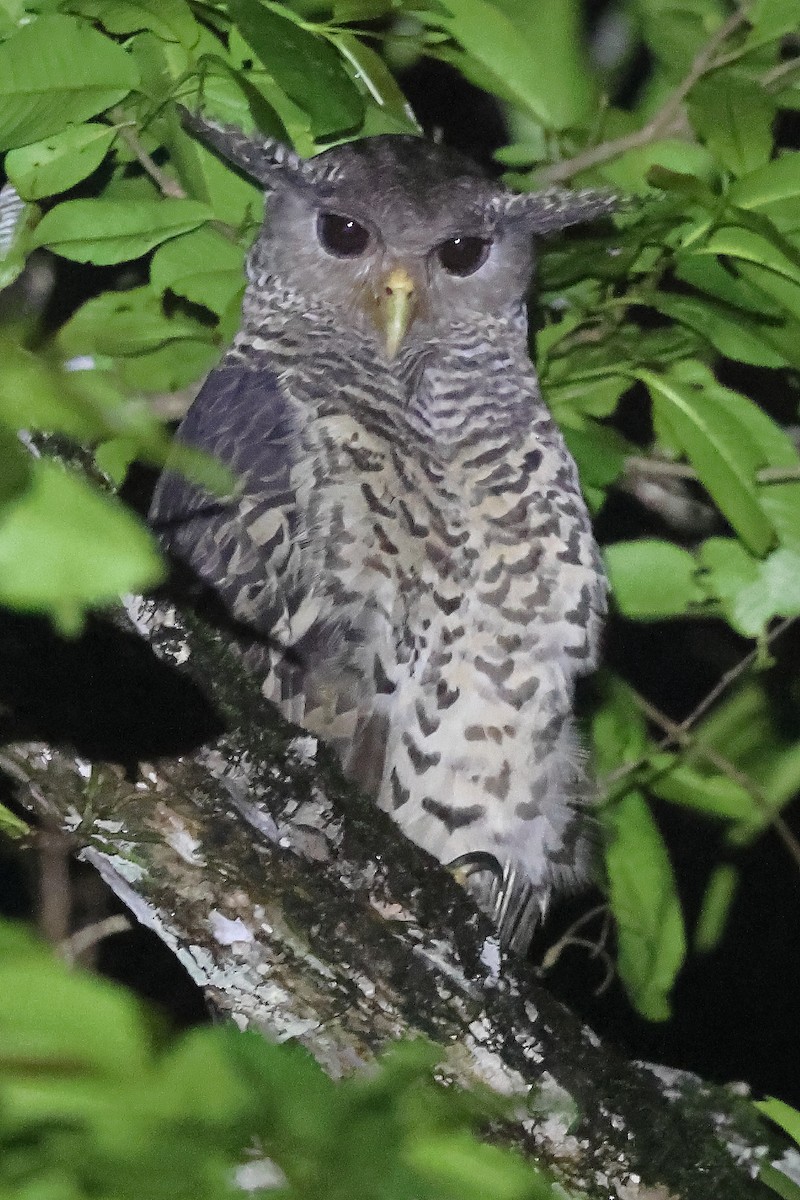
787,1186
669,309
94,1101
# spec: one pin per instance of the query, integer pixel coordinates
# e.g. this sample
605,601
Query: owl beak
395,308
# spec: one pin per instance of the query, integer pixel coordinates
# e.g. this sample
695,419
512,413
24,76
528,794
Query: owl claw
507,899
474,863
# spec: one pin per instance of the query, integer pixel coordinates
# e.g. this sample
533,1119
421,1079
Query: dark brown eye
463,255
342,236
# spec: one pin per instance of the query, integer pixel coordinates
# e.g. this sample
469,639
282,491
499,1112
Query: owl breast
467,584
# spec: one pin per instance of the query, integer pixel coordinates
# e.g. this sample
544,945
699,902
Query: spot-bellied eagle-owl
408,544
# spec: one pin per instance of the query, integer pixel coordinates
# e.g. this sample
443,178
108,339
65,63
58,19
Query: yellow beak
395,308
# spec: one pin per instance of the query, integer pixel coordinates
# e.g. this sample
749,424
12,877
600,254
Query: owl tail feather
504,893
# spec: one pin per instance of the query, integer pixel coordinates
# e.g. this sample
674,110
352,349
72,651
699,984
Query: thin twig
83,939
775,74
668,119
730,677
686,726
126,129
683,737
642,465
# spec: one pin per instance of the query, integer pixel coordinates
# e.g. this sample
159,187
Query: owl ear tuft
262,158
557,208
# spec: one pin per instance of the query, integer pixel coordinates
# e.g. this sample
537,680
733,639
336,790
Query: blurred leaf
458,1165
599,452
752,247
377,80
12,826
770,20
651,579
698,787
170,20
304,65
779,1182
777,180
66,548
43,1015
201,265
751,591
56,70
619,731
535,55
169,366
630,171
59,162
733,116
644,901
111,231
782,1114
16,473
719,896
728,329
127,323
715,446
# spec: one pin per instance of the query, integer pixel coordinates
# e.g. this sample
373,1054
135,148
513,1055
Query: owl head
402,239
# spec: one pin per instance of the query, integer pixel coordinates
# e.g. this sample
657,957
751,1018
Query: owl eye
342,236
463,255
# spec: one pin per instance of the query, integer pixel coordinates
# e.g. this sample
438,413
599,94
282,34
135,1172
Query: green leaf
723,458
16,472
458,1165
782,1114
170,20
779,1182
12,826
777,181
536,54
751,247
619,731
202,266
728,329
169,367
33,989
651,579
631,170
126,323
770,20
393,113
680,781
644,901
111,231
751,591
599,451
56,70
305,66
59,162
66,548
719,896
733,116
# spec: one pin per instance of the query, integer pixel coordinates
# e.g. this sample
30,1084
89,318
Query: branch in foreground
299,909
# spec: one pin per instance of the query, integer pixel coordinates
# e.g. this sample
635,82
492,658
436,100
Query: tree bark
301,910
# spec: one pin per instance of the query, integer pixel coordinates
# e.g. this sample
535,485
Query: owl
407,558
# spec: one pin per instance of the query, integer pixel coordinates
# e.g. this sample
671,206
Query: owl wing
239,545
250,551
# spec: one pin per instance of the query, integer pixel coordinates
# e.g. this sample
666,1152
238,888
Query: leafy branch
669,119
